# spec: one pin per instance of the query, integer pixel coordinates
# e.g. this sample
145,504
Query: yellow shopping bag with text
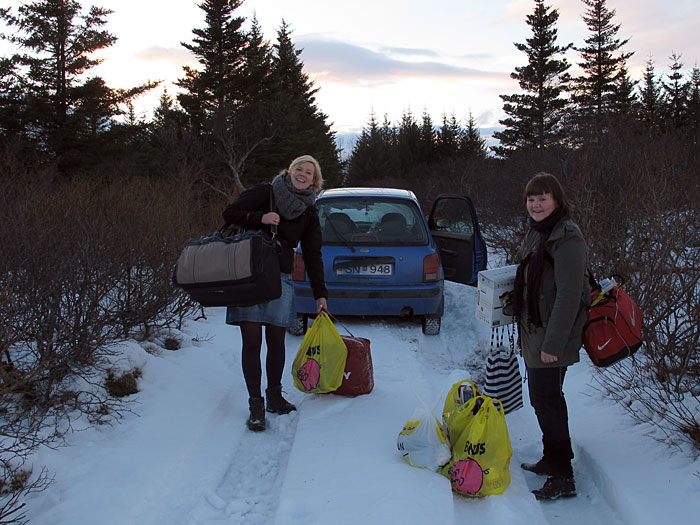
480,463
320,362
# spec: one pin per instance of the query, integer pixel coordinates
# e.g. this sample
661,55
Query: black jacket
247,210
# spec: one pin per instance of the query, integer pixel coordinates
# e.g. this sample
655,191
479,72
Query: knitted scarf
291,202
534,263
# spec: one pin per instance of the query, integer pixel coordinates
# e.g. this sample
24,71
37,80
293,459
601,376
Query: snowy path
186,457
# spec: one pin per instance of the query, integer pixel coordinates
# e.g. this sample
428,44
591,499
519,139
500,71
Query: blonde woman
296,218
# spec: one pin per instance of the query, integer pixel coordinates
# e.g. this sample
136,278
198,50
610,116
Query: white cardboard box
495,282
492,285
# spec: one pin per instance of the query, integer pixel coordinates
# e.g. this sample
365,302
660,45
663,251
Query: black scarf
534,263
290,201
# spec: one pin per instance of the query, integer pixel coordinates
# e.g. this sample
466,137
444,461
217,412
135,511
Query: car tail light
299,271
431,268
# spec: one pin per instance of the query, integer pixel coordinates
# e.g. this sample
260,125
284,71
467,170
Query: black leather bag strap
273,227
233,229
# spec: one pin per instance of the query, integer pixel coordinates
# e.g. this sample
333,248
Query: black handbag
235,270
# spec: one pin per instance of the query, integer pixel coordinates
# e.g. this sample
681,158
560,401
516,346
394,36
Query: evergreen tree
211,92
624,99
603,63
650,97
12,109
257,66
259,107
299,126
389,136
449,137
676,95
693,108
534,116
64,112
428,145
371,160
408,141
388,133
472,145
168,143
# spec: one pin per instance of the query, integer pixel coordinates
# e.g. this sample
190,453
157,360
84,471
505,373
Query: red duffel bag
358,378
614,327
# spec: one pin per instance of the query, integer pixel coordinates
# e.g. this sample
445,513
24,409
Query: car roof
368,192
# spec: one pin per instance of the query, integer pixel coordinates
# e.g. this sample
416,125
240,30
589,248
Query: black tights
251,334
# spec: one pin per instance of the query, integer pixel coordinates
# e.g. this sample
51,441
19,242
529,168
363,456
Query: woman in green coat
552,296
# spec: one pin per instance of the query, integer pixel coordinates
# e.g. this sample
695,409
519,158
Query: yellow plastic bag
320,362
455,409
480,464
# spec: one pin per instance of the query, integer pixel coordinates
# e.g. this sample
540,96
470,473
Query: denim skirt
279,312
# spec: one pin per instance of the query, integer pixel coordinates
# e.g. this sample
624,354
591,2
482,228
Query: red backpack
614,327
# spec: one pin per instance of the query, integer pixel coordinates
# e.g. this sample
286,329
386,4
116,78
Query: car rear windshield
369,220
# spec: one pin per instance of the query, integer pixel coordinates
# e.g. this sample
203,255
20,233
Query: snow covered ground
185,456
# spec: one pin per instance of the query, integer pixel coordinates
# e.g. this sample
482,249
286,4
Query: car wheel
431,325
298,326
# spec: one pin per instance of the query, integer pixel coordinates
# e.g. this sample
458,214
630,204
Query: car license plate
369,269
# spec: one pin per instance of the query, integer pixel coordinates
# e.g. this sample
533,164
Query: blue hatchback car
383,258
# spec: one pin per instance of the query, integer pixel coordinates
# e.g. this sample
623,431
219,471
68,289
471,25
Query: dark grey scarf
534,262
290,201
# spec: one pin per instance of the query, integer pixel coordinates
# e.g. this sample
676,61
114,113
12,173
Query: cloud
176,55
352,64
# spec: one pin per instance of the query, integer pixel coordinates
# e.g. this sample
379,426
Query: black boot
541,467
560,483
256,420
275,402
544,465
555,488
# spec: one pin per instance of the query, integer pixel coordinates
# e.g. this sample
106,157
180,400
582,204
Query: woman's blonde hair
543,183
317,183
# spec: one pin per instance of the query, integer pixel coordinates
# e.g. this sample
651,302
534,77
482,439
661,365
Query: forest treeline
96,203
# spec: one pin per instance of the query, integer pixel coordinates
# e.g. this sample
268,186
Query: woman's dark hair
543,183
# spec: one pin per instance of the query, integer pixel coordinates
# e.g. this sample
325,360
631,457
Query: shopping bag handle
492,400
340,323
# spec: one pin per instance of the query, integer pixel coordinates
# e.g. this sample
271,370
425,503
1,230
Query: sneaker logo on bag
600,347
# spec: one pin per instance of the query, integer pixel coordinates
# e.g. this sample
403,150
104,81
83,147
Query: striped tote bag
503,380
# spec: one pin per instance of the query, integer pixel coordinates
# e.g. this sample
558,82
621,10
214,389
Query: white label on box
492,315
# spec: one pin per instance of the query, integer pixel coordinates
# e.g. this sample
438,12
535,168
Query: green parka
564,296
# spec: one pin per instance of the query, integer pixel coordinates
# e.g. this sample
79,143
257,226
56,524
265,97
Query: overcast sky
389,56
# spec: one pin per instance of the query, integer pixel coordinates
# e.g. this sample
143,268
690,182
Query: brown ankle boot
276,403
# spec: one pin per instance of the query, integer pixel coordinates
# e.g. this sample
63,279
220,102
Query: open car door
455,229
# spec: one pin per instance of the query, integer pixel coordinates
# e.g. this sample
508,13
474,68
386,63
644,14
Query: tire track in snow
249,489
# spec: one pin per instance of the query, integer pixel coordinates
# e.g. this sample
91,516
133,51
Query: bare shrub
172,342
123,385
84,264
638,206
15,484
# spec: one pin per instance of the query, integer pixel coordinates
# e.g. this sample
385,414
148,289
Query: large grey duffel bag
238,270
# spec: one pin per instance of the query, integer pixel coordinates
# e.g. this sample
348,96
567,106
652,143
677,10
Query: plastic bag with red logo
480,463
320,362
